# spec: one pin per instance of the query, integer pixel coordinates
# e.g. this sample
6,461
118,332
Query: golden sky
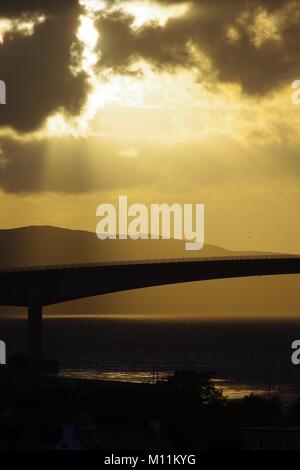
163,101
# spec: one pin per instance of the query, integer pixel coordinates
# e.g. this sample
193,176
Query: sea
243,357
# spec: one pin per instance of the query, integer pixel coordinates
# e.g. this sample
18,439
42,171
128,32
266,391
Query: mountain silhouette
46,245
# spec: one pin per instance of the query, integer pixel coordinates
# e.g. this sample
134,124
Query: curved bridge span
46,285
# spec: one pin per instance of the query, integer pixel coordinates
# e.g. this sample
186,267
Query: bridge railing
150,261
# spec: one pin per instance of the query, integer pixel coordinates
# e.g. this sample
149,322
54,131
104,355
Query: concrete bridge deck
35,287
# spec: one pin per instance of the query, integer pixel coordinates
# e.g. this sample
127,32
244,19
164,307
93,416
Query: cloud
78,165
254,44
69,165
36,67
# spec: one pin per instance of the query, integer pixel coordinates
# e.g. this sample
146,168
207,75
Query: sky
163,101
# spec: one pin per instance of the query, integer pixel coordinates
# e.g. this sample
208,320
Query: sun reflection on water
230,389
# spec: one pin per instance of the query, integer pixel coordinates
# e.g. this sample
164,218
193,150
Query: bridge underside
37,287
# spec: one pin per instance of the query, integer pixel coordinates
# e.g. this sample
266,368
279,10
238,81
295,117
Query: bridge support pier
35,333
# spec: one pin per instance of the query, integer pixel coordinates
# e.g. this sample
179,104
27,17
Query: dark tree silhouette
196,387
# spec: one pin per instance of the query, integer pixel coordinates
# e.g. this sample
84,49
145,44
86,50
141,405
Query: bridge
36,287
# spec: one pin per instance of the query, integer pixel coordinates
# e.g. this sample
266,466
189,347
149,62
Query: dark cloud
78,165
259,69
36,68
16,8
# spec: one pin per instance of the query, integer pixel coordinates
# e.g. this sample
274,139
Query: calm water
244,357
